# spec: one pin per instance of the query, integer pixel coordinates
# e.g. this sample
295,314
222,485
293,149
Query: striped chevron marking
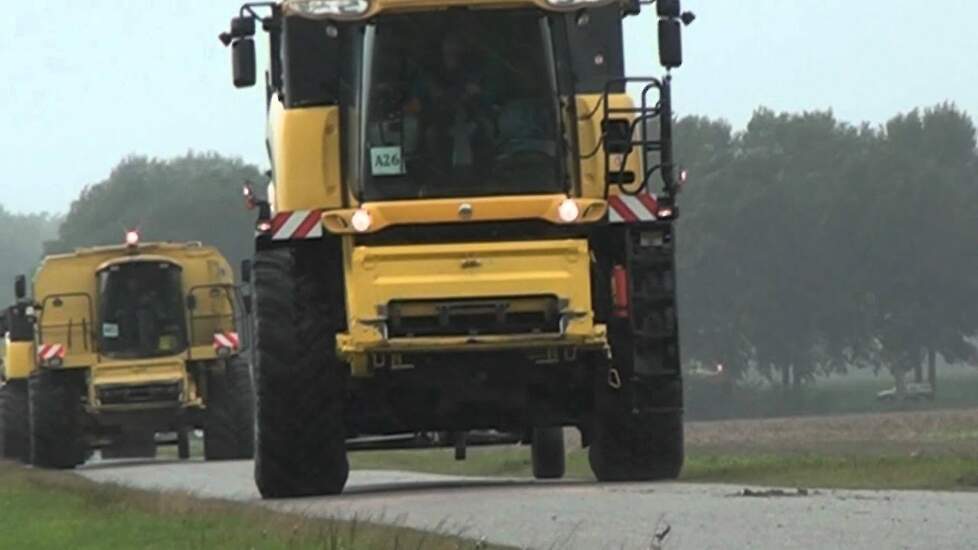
47,352
226,340
632,208
298,224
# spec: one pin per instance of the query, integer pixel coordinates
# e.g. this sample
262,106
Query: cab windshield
141,310
460,104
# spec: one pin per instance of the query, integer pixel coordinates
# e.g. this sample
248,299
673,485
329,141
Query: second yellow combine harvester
118,345
462,233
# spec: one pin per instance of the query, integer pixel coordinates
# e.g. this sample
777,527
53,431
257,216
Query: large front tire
229,433
630,444
14,441
300,383
55,413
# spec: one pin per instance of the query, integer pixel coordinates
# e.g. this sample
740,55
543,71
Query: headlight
270,193
568,210
576,4
361,220
339,9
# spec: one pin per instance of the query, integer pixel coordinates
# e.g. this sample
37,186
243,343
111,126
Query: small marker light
132,238
664,213
264,226
683,176
568,210
249,196
360,220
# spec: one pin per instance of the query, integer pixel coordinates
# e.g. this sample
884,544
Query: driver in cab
455,108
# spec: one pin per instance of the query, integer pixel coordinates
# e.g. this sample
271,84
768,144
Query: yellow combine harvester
119,345
462,234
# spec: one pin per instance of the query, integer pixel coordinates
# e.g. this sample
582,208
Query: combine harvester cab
469,230
120,345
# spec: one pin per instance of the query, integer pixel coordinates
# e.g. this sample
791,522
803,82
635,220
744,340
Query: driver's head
451,51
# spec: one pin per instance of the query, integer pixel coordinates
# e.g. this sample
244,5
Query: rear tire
300,383
183,443
132,445
547,450
229,433
55,413
14,439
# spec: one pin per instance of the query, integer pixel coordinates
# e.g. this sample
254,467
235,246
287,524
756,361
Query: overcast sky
87,83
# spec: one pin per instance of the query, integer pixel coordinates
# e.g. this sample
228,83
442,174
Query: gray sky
88,83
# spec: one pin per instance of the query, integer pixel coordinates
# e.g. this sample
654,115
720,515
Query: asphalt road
590,516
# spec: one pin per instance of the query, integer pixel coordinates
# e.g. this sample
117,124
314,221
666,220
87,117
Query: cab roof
373,7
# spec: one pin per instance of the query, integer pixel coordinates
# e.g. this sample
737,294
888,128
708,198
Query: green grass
41,510
943,472
852,393
838,472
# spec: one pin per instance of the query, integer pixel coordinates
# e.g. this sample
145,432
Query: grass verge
42,510
792,470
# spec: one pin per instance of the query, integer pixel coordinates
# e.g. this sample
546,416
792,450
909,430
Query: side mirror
191,302
243,62
20,287
242,27
667,8
246,271
670,43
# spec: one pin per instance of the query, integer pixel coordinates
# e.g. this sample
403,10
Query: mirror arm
249,9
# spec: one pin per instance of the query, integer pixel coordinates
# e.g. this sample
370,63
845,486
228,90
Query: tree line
810,246
806,245
21,236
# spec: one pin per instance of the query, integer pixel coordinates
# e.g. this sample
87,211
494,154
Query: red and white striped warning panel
632,208
226,340
46,352
298,224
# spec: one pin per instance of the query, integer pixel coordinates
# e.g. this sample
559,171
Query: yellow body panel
593,169
305,151
141,371
475,209
18,362
377,275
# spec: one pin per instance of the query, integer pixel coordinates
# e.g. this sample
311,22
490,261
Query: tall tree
922,221
21,238
188,198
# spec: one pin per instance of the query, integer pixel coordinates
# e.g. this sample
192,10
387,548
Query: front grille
473,317
142,393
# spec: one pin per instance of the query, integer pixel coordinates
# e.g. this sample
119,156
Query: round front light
575,4
361,220
568,211
328,8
